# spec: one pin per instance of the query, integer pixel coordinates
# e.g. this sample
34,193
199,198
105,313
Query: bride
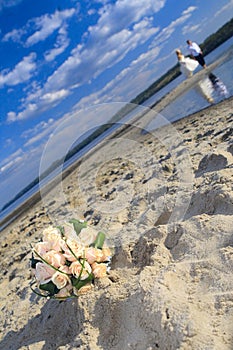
187,67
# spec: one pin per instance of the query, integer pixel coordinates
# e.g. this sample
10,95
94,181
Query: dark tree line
208,45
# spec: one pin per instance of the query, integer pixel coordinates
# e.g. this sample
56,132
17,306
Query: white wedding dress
187,67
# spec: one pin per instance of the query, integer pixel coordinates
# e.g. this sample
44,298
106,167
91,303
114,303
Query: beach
164,198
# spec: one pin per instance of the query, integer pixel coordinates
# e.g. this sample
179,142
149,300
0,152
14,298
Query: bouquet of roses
68,259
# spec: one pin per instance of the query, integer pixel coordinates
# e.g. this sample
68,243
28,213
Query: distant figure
218,86
196,53
187,67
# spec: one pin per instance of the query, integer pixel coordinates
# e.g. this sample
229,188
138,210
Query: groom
196,53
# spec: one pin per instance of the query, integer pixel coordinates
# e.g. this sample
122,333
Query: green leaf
61,228
34,262
77,283
49,287
78,225
99,241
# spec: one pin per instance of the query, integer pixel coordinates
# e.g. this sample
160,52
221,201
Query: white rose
43,273
83,290
87,236
60,279
76,268
54,258
69,231
53,236
76,248
99,270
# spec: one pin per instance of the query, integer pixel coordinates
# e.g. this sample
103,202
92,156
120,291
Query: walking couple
189,64
207,85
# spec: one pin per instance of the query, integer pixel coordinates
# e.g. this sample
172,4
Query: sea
184,105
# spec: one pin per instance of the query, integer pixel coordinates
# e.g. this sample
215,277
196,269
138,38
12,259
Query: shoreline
36,197
157,107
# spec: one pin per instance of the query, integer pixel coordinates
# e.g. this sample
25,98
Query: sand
165,200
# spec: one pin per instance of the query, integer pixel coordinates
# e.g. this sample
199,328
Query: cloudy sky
58,58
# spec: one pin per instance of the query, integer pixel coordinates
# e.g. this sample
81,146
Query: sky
60,59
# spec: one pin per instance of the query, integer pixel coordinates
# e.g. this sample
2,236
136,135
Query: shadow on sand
59,323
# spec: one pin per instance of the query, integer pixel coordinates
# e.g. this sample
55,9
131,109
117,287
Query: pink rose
99,270
54,258
43,273
76,268
94,254
83,290
106,254
60,279
76,248
65,292
42,247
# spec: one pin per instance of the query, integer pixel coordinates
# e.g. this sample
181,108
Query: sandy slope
165,199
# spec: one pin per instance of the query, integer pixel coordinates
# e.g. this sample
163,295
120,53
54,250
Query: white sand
165,200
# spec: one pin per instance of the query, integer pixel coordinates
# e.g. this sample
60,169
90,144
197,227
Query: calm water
188,103
191,101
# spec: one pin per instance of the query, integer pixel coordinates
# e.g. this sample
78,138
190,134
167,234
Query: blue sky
58,58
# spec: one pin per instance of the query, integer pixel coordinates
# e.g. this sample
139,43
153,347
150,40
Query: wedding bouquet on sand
68,260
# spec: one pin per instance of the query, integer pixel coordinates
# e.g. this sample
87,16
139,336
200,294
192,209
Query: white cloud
30,110
114,40
40,135
9,3
32,92
44,26
61,44
122,14
15,35
10,161
114,36
166,33
91,12
191,28
36,139
44,102
47,24
139,74
22,72
227,7
37,129
189,10
24,163
10,164
24,167
121,28
55,96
